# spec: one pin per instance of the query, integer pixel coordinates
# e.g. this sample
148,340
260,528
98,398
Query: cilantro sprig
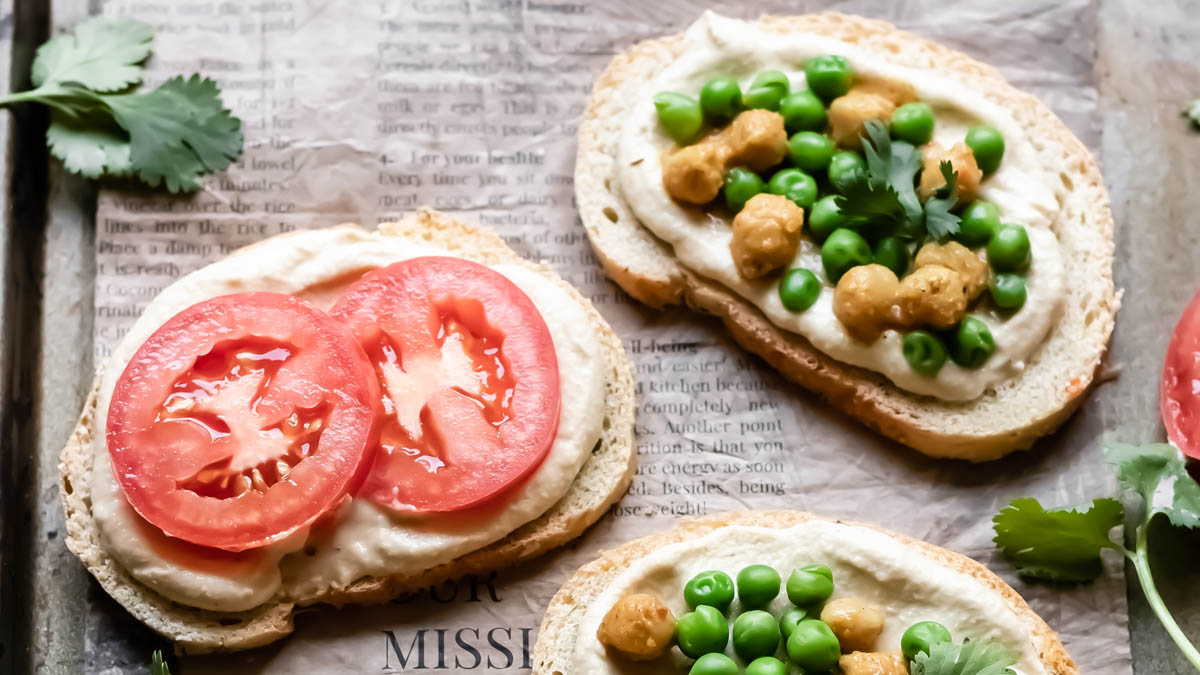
966,658
886,192
102,125
1064,545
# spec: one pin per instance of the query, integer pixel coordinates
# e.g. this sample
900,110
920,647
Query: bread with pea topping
1012,415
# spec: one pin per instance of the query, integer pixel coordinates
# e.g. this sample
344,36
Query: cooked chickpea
639,626
755,139
896,91
955,256
962,159
849,114
873,663
855,623
694,174
933,296
865,301
766,233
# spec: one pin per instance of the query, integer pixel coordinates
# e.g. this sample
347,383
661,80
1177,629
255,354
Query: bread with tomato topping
603,478
1008,417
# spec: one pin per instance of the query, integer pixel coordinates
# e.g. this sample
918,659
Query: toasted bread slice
554,651
602,480
1015,413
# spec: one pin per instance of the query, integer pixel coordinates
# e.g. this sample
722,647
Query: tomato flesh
242,419
468,378
1180,393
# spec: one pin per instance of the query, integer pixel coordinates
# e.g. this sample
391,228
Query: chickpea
865,301
896,91
933,296
959,258
756,139
694,174
873,663
639,626
962,159
849,114
855,623
766,233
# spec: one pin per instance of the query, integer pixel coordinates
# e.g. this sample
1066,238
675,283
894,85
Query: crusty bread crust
602,480
1009,418
554,652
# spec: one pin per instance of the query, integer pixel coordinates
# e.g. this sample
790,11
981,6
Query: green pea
757,585
813,646
892,253
844,249
810,150
921,636
766,665
1008,291
810,585
987,144
679,115
789,619
721,98
755,634
796,185
979,223
713,588
972,344
824,218
913,122
714,664
803,111
702,631
1008,251
845,168
924,352
828,76
799,289
740,186
766,91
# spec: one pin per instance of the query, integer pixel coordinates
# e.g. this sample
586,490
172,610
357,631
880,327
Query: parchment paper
361,111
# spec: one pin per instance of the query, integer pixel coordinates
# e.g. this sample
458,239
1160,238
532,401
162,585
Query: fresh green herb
969,658
1193,112
1065,545
157,665
100,125
886,191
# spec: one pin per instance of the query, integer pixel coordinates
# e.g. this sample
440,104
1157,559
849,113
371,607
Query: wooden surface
1147,67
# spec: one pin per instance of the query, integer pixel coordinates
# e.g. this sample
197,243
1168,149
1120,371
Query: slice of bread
602,480
1010,417
554,652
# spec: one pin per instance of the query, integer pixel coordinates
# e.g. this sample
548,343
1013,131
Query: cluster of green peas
809,643
844,246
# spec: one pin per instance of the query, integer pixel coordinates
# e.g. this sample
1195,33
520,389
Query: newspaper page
363,111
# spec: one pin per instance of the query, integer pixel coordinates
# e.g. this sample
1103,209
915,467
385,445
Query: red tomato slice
242,419
1180,394
469,381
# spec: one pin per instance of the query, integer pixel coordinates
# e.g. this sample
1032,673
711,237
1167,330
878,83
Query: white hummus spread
1025,189
362,540
901,581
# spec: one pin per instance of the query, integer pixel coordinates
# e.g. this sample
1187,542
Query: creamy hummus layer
362,539
1025,189
898,579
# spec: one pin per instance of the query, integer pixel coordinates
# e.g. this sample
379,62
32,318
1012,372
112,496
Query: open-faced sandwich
778,592
885,221
336,416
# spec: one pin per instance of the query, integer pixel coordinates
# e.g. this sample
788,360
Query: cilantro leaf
939,222
178,132
969,658
91,144
864,202
101,54
895,165
1061,545
1157,473
157,665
